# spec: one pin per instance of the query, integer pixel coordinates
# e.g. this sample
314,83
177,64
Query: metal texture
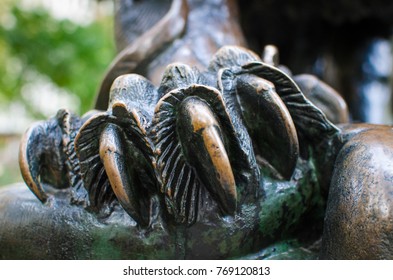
188,160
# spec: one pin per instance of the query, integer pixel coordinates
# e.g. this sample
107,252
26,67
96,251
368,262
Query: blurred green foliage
9,168
74,57
34,44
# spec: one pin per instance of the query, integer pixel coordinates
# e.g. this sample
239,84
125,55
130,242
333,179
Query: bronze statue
223,156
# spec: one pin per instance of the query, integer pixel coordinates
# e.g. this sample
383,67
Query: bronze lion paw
222,153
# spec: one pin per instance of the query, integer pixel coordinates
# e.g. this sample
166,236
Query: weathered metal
218,157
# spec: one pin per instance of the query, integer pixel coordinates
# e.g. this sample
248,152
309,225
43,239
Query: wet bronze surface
358,223
201,150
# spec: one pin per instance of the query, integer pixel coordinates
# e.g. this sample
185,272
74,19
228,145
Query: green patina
279,216
284,250
120,242
287,201
102,247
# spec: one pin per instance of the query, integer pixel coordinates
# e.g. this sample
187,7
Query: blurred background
52,55
346,43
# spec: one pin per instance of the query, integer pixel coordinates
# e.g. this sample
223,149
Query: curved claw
202,142
111,149
195,165
269,123
30,151
311,124
47,155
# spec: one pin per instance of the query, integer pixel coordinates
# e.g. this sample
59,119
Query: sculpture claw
202,142
46,155
269,123
115,153
29,160
192,135
115,162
